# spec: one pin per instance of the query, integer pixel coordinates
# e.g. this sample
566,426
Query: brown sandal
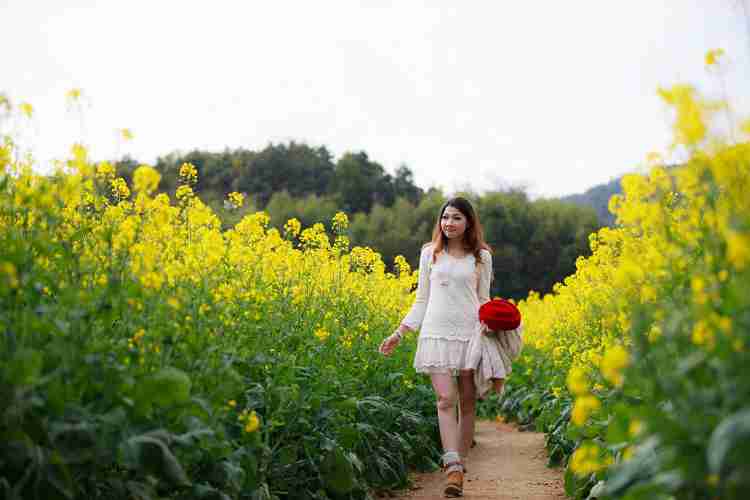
454,484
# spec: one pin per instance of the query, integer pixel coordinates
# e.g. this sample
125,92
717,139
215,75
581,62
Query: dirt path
505,464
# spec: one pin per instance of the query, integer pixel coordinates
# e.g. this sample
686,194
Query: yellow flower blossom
236,199
614,361
583,407
292,227
126,134
73,94
738,249
26,109
120,189
587,458
713,56
340,222
188,173
703,335
578,381
9,274
322,334
145,179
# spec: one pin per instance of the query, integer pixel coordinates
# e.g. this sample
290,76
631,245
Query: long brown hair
473,237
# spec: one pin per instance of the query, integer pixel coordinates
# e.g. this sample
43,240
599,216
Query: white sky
554,95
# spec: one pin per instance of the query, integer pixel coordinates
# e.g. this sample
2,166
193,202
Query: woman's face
453,223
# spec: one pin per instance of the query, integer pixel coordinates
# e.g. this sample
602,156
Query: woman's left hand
485,329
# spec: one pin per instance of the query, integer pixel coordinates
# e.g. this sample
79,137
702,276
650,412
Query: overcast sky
554,95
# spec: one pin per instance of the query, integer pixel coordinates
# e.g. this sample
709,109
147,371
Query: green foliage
354,182
308,210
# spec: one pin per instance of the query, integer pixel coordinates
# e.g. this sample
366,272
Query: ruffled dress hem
441,355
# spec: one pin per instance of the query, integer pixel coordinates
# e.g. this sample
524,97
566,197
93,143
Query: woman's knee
447,399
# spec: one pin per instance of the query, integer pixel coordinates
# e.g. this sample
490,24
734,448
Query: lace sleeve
413,319
485,277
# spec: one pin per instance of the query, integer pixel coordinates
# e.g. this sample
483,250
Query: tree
296,168
360,183
404,187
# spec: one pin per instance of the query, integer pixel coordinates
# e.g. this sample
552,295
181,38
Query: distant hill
597,197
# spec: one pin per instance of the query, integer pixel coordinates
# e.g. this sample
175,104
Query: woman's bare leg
498,385
468,406
447,397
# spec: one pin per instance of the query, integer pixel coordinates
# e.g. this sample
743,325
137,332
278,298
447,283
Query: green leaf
148,454
228,475
75,442
25,367
596,491
167,387
732,431
206,492
348,436
689,363
193,437
287,455
338,471
348,405
643,464
139,491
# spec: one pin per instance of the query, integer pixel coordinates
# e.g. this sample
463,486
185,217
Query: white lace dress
446,312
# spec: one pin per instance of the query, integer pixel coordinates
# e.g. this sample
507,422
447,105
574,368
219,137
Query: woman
455,270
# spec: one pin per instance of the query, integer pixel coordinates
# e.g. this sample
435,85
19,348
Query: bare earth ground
505,464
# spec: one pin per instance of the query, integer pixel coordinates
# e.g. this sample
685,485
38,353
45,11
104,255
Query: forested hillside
535,243
597,198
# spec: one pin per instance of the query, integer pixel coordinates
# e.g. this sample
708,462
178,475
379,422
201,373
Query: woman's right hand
389,344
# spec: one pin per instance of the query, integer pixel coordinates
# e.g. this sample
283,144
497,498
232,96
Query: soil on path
505,464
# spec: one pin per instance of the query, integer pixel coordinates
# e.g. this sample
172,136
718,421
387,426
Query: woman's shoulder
485,255
427,248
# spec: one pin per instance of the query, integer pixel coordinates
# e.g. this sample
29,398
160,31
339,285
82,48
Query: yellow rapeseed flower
105,171
702,334
340,222
146,179
635,427
690,125
745,126
583,407
586,459
126,134
73,94
615,359
120,188
251,421
9,274
188,173
738,249
236,199
654,333
184,193
577,381
713,56
26,109
292,227
322,334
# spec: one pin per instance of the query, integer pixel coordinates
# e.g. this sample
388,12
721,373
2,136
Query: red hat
499,314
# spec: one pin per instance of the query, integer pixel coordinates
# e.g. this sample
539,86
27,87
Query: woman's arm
485,277
415,316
